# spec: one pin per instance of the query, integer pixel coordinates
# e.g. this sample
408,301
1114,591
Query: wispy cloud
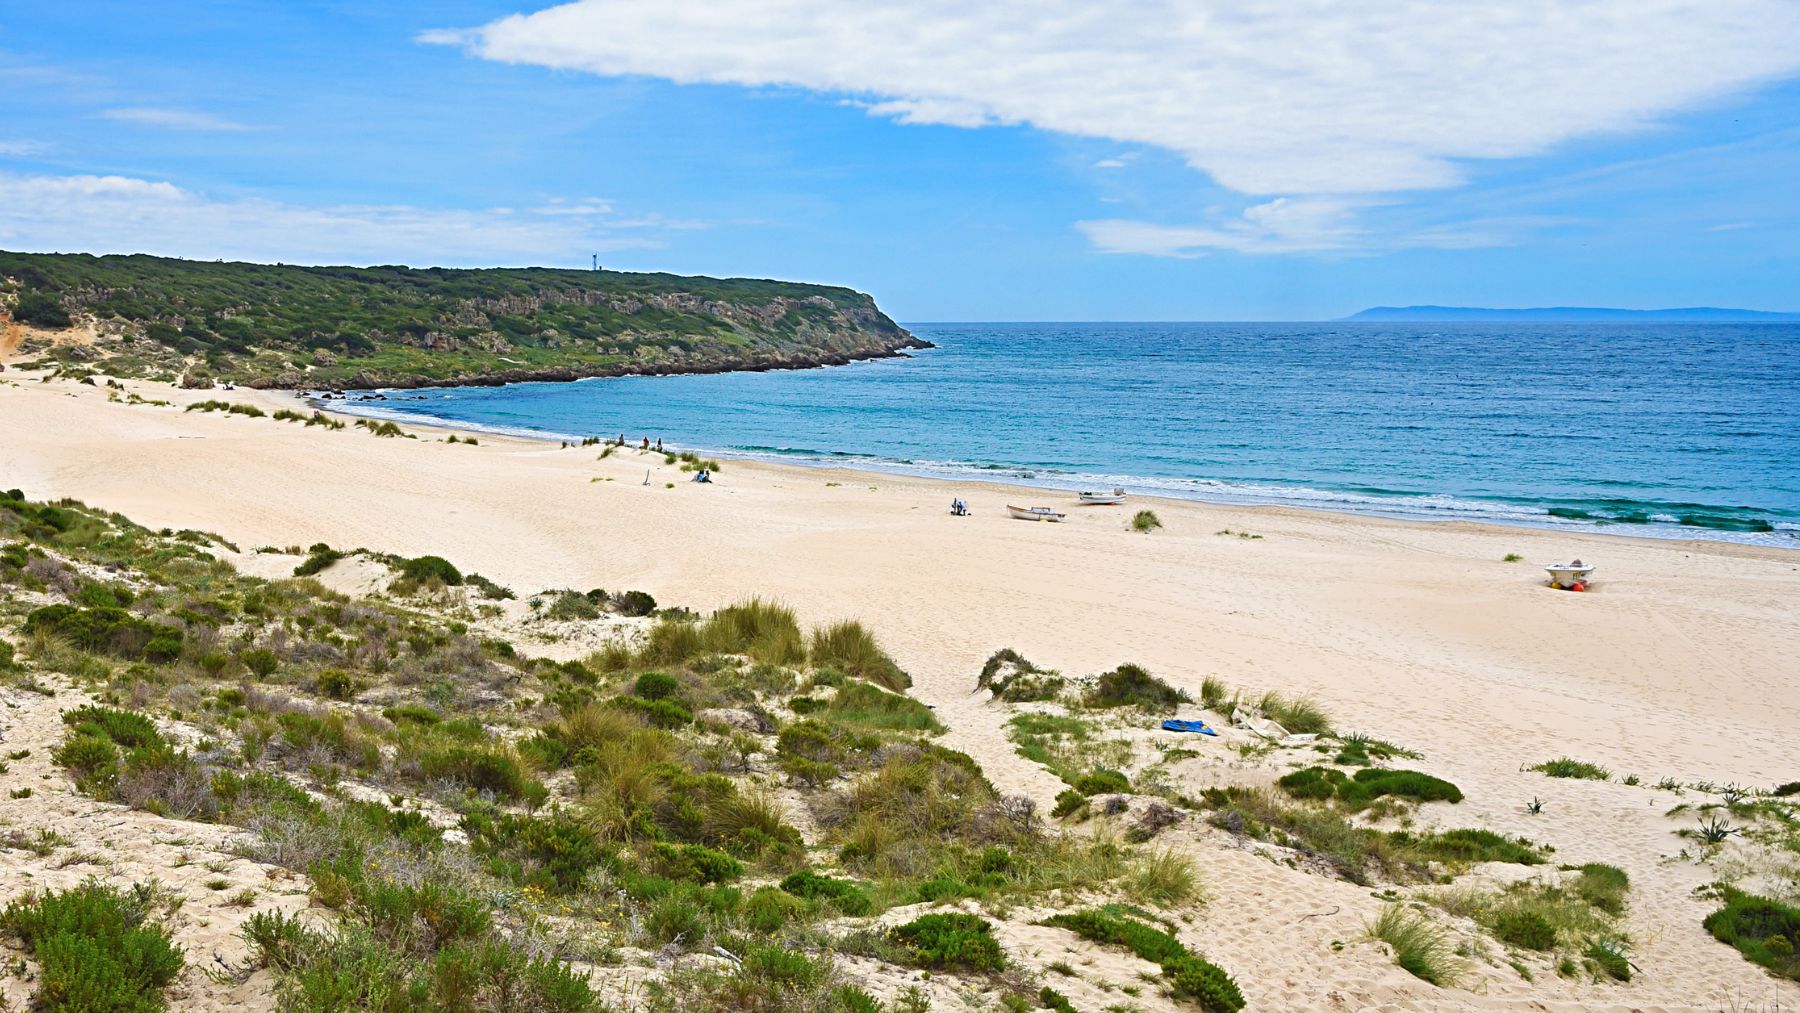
1283,225
111,214
22,148
1317,97
174,119
1313,225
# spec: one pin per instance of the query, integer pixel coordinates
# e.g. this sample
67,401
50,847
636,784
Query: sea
1676,430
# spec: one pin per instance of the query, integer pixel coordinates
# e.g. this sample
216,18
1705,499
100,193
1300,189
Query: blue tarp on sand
1202,727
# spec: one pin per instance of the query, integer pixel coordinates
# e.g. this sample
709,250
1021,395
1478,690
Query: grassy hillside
282,326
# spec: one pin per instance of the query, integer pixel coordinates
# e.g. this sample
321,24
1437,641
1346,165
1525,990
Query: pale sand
1681,662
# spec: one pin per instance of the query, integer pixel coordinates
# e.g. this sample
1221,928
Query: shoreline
1673,668
953,475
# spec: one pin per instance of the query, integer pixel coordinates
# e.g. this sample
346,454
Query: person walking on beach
646,443
659,444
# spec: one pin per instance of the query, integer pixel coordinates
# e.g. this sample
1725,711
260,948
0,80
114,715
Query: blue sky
1050,160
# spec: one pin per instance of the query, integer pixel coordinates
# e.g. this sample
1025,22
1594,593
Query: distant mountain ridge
1568,314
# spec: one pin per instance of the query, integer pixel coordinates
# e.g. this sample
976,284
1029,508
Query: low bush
843,894
1145,521
1102,782
97,948
1368,784
1525,928
1468,846
950,941
1765,931
693,862
1010,677
553,851
1189,975
320,557
109,630
480,768
423,569
1566,767
1131,686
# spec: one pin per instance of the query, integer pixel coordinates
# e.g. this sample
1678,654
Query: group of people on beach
646,445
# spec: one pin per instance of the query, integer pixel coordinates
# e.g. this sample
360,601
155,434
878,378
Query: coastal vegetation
275,325
472,828
397,800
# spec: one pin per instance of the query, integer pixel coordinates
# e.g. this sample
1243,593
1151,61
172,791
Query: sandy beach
1680,662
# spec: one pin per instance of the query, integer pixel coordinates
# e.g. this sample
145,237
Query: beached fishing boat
1033,513
1572,576
1113,498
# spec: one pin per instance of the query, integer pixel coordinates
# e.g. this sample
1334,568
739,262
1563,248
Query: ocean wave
1668,519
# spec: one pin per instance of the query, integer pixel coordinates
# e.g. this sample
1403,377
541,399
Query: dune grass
1565,767
849,647
1420,948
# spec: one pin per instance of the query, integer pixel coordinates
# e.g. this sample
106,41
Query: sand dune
1679,663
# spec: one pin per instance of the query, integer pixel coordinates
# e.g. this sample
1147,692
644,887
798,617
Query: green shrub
1368,784
1566,767
1102,782
1022,682
633,603
1468,846
845,895
109,630
656,686
660,713
41,309
321,557
694,862
849,647
1145,521
97,948
1525,928
1131,686
954,941
1762,929
336,684
260,661
421,569
1189,975
552,851
127,728
480,768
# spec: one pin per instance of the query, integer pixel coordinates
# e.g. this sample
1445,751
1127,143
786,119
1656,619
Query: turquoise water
1670,429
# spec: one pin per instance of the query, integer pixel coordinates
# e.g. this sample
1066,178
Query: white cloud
1109,163
1268,96
174,119
119,214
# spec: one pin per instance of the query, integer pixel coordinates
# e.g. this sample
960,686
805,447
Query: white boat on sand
1571,576
1033,513
1113,498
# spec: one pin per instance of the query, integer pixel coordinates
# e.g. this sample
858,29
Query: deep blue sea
1651,429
